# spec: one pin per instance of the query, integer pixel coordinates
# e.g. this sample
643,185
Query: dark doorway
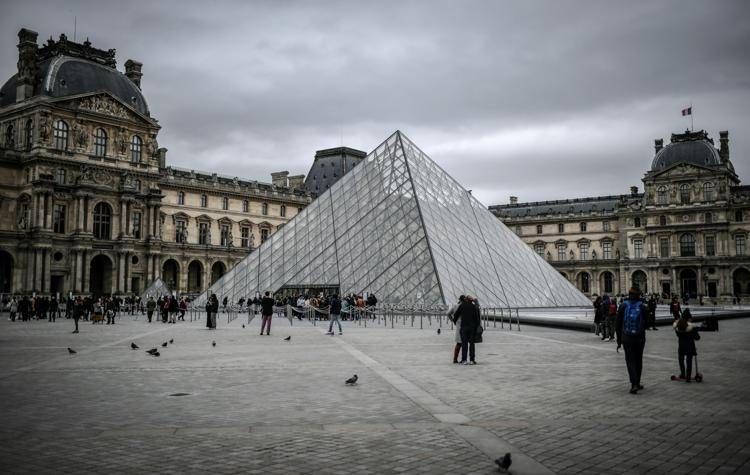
666,290
741,279
100,282
712,291
217,270
170,274
195,277
6,273
689,283
56,284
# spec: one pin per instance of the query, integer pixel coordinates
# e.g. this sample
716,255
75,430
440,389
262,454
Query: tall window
709,218
225,203
608,283
560,228
739,244
181,198
136,147
561,252
137,224
245,237
264,233
539,248
585,282
738,215
662,220
100,143
710,245
638,248
203,233
582,227
10,136
607,250
685,193
180,226
60,176
245,206
102,221
225,235
661,195
204,201
583,249
664,247
264,209
29,134
605,226
283,211
23,216
138,184
687,245
637,222
60,135
58,219
539,229
708,192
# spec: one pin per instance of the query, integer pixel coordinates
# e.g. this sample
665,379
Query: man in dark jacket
266,311
631,334
469,314
335,313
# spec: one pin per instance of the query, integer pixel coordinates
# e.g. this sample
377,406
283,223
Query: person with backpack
469,314
335,314
631,335
687,335
674,308
610,317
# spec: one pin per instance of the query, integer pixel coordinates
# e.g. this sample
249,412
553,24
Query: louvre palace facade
88,203
685,234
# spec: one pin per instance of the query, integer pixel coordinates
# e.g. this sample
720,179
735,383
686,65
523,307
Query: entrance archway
741,280
688,283
217,270
100,282
584,282
640,281
170,274
6,272
195,276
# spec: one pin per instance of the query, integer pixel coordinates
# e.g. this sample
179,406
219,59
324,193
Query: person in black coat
212,308
266,311
687,335
469,314
632,313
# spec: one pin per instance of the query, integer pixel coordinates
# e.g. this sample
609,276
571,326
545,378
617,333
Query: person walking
652,313
183,309
674,308
13,309
631,335
610,321
266,310
212,308
597,315
687,335
150,307
335,314
469,314
77,312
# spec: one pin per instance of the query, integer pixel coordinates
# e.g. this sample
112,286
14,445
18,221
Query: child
687,334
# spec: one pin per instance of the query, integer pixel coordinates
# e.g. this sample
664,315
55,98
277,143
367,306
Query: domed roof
691,147
64,75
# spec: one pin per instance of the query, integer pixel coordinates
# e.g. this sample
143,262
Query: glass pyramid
156,289
400,227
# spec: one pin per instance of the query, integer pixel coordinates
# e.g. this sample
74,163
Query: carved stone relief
103,105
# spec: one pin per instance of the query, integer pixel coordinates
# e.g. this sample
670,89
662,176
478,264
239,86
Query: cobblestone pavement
556,399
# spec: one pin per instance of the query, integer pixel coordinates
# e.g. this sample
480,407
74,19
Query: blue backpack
633,322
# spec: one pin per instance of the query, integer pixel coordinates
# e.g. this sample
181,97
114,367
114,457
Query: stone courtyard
556,399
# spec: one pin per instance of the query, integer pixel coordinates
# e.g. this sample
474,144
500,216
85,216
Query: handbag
478,334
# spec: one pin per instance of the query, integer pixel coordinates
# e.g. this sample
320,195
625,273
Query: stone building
88,203
685,234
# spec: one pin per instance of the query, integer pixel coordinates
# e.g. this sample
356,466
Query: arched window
245,206
539,229
225,203
102,221
60,135
60,178
662,220
100,143
264,209
584,282
9,137
608,281
687,245
181,198
283,211
583,227
204,201
29,134
661,195
136,146
685,193
708,192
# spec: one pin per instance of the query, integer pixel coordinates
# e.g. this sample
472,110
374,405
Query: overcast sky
543,100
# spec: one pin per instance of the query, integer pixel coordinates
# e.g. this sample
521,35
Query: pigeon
352,380
152,351
156,353
243,325
133,346
213,343
164,345
503,464
438,331
72,351
171,341
289,338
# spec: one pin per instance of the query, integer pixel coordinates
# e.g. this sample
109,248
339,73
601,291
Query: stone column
149,269
48,210
38,270
86,219
121,272
85,269
79,213
47,270
128,232
147,222
157,217
126,287
39,216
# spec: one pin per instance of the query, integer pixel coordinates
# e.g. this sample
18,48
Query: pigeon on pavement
352,380
243,325
438,331
133,346
152,351
156,353
289,338
503,463
213,343
171,341
164,345
72,351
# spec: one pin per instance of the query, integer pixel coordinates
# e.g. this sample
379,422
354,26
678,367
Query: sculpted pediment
680,170
102,103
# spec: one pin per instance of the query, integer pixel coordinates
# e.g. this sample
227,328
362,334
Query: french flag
688,111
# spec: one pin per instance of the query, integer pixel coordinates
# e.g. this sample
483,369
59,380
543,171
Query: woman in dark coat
469,315
212,307
597,314
687,334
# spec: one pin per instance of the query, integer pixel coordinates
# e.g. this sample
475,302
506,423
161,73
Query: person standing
687,335
266,310
150,307
335,314
674,308
183,309
631,335
469,314
597,315
457,324
13,309
77,312
212,308
652,313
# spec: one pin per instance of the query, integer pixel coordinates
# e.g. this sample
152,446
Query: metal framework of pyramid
400,227
156,289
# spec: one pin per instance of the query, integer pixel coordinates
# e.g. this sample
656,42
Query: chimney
514,200
296,182
133,71
658,144
280,178
161,152
633,190
724,147
27,56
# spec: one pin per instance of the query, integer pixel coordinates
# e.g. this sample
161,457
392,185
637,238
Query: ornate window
60,176
608,282
539,248
204,201
102,221
136,148
710,245
685,194
24,213
638,248
245,206
264,209
585,282
605,226
283,211
138,184
245,236
662,220
637,222
664,247
560,228
225,237
687,245
29,134
225,203
264,233
58,219
582,226
181,198
739,244
203,236
708,192
561,252
137,224
662,196
539,229
180,231
60,135
607,250
10,137
583,251
100,143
